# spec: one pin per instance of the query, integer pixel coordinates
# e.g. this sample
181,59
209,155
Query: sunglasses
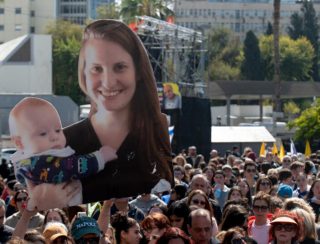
260,208
265,183
286,161
251,170
21,199
286,227
61,240
197,202
90,240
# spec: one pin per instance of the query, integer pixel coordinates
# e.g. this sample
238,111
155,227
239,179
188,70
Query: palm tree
276,23
153,8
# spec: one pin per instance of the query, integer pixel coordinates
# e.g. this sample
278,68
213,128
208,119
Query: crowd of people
228,199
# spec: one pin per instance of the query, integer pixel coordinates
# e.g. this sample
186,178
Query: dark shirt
129,175
5,233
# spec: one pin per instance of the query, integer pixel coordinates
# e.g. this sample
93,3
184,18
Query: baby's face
41,130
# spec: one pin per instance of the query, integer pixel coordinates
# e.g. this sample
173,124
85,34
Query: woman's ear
123,234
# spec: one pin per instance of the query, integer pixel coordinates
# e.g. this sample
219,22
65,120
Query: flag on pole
282,152
262,149
171,132
307,152
274,149
293,150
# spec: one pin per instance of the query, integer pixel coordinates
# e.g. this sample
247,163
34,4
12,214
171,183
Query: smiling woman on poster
115,72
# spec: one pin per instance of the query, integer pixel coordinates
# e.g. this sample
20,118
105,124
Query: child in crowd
41,156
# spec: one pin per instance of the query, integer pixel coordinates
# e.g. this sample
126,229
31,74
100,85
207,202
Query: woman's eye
43,133
58,130
119,67
96,69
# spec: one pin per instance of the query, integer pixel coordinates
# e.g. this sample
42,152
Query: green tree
307,25
154,8
108,11
269,30
66,39
291,109
295,58
251,67
296,29
224,55
65,67
308,123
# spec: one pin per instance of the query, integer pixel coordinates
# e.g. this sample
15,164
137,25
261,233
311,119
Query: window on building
18,27
1,27
18,11
1,10
32,13
32,29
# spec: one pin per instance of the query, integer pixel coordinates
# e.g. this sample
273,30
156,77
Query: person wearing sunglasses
263,184
259,224
285,228
20,200
250,171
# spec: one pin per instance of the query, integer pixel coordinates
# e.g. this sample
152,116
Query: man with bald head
200,226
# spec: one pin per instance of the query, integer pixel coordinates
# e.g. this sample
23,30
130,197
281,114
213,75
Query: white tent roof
230,134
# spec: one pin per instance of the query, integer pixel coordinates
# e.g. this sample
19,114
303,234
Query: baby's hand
108,153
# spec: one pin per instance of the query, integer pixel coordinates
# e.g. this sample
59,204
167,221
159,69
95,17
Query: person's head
179,160
158,208
33,236
296,167
309,230
314,189
35,126
110,73
20,199
234,236
200,199
302,180
214,153
232,216
178,213
250,169
285,176
154,225
127,230
209,173
168,91
263,184
234,193
85,229
54,230
199,182
2,212
219,177
245,189
286,161
227,170
174,235
56,214
178,192
273,172
261,204
285,227
200,226
294,202
192,151
284,191
179,172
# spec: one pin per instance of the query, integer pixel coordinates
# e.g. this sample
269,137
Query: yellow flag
282,152
262,149
274,149
307,152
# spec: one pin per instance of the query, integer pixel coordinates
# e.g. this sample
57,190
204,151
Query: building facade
240,16
21,17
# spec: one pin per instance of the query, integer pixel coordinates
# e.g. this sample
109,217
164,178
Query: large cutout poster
121,150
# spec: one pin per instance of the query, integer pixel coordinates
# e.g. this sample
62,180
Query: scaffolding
177,54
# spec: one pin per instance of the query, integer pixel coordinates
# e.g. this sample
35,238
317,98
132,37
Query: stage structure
176,53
